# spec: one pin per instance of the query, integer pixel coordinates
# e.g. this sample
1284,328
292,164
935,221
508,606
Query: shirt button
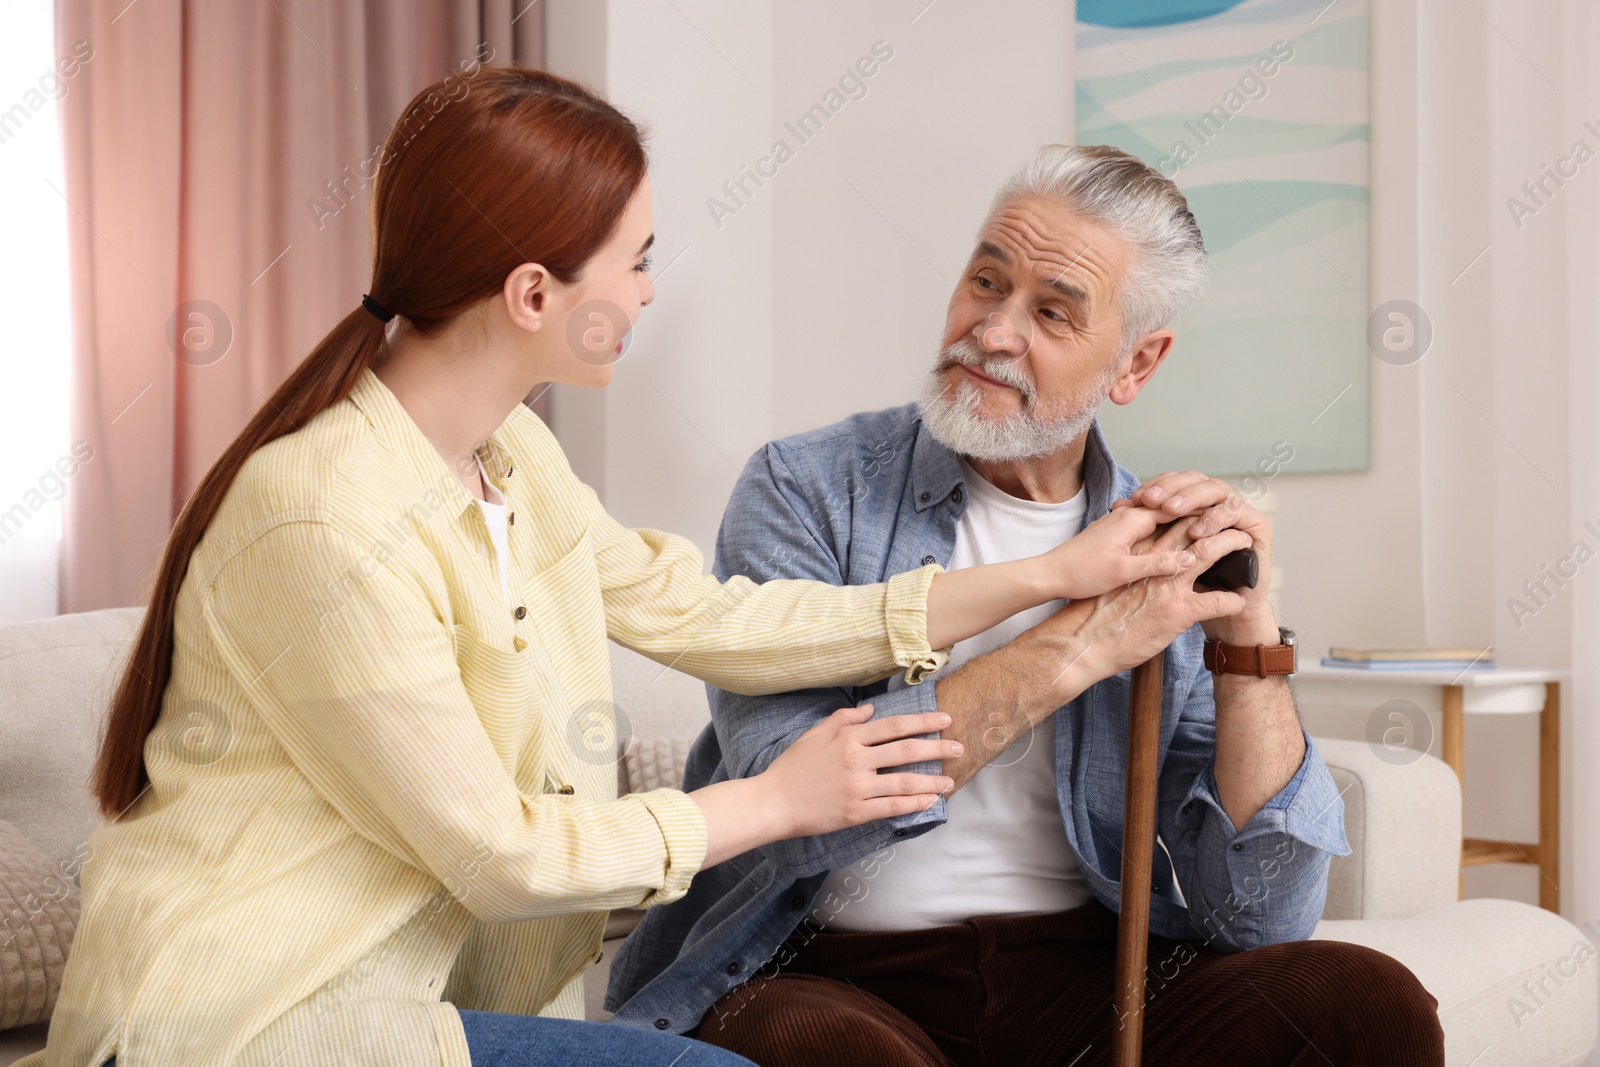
1187,806
565,790
521,612
662,1024
1238,848
927,560
797,901
511,519
923,498
519,644
955,494
735,967
899,833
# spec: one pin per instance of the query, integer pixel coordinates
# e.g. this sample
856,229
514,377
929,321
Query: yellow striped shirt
376,793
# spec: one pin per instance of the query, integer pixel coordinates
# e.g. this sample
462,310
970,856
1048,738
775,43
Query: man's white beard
954,418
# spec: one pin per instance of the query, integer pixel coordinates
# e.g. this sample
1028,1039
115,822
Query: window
34,293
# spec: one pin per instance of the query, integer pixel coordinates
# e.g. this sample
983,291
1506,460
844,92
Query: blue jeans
500,1040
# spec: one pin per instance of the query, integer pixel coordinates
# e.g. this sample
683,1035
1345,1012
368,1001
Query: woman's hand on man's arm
828,779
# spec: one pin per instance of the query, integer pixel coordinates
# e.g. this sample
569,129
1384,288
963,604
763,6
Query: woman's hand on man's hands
1120,629
1110,552
1194,506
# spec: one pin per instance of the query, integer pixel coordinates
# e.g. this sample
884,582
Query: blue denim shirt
855,503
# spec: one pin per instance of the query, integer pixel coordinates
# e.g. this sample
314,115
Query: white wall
34,424
805,303
824,294
692,396
1471,486
878,214
1580,43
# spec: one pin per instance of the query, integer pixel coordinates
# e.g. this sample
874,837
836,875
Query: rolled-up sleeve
362,689
1266,881
683,829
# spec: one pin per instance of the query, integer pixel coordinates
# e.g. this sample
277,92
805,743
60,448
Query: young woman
347,779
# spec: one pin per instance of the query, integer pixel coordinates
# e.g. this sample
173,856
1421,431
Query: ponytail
324,378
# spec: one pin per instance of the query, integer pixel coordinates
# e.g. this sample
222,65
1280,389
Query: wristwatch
1260,660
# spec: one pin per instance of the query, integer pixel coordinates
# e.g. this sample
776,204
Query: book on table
1437,658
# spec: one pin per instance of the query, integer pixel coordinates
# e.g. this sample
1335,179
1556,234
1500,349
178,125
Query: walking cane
1236,570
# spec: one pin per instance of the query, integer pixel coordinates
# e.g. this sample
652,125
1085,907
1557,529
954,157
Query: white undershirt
494,513
1003,849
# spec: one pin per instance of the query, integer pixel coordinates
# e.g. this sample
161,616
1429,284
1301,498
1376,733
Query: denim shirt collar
936,471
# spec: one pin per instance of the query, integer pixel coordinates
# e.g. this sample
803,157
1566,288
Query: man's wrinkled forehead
1076,257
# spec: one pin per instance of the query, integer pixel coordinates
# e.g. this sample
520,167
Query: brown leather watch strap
1260,660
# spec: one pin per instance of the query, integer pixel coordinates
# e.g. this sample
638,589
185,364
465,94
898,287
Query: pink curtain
220,225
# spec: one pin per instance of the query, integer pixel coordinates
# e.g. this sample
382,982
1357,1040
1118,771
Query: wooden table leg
1453,746
1138,848
1550,799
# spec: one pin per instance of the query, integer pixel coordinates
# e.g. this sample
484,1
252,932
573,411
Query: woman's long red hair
483,172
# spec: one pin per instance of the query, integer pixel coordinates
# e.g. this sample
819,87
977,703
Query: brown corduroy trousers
1036,990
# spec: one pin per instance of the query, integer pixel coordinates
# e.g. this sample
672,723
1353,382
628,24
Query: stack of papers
1409,659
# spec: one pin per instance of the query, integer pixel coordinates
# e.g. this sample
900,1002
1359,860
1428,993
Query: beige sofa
1396,892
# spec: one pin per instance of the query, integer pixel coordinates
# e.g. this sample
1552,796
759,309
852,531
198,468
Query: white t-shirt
494,512
1003,849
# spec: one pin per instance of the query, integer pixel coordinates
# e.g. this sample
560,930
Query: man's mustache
1003,369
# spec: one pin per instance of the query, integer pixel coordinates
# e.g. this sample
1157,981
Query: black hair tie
377,309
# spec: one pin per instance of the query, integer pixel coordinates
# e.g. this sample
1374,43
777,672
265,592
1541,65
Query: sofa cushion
38,912
1515,984
57,676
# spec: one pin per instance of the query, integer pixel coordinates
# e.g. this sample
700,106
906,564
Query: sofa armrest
1404,825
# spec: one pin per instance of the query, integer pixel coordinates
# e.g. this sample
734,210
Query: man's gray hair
1106,184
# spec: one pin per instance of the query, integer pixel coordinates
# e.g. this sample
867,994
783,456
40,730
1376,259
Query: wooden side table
1454,694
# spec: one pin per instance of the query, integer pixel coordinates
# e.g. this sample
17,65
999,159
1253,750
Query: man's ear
527,295
1143,363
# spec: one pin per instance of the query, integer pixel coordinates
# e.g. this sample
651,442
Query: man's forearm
995,699
1260,743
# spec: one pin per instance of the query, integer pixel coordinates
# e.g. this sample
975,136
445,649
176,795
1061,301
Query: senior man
982,930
